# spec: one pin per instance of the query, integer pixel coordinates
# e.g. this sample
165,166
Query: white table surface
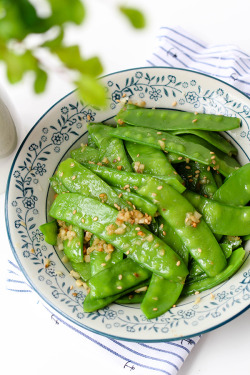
223,351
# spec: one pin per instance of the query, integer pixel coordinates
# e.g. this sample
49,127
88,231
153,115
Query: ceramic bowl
63,128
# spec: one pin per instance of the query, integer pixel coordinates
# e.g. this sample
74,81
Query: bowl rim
44,298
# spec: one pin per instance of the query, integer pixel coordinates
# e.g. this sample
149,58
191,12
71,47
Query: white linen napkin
176,48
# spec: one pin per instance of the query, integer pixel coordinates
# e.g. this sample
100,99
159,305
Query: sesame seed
196,113
137,155
174,104
127,252
155,298
73,177
118,158
197,300
194,120
159,133
120,195
213,157
211,152
61,174
174,306
95,218
197,292
175,172
154,194
208,168
120,277
197,171
161,226
137,228
103,264
199,250
162,252
126,186
188,167
74,212
83,221
119,287
164,233
155,309
159,187
140,233
119,167
180,158
214,162
178,263
72,164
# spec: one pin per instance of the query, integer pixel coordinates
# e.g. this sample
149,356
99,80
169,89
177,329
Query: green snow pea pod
221,218
73,248
101,259
246,238
164,119
218,179
50,230
83,269
188,172
207,184
161,295
236,188
164,141
91,304
57,185
136,296
183,218
85,154
194,269
79,179
171,238
134,240
230,243
154,161
120,276
141,203
213,138
234,263
220,161
120,179
110,148
91,142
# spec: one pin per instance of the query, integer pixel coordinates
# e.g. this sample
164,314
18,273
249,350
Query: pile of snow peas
151,210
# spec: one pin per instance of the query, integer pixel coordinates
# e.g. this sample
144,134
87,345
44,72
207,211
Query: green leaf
135,17
71,57
17,64
67,11
91,90
40,81
56,42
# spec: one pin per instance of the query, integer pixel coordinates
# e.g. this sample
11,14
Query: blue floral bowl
28,197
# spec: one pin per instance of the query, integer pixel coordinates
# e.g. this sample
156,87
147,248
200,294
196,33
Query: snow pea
100,260
79,179
161,295
83,269
221,218
222,162
136,296
163,119
188,173
111,149
217,178
49,230
141,203
91,304
57,185
230,243
164,141
206,181
234,263
236,188
167,234
154,161
73,249
91,142
120,179
213,138
194,232
120,276
137,242
85,154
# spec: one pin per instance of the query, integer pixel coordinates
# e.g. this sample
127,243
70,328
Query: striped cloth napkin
175,48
